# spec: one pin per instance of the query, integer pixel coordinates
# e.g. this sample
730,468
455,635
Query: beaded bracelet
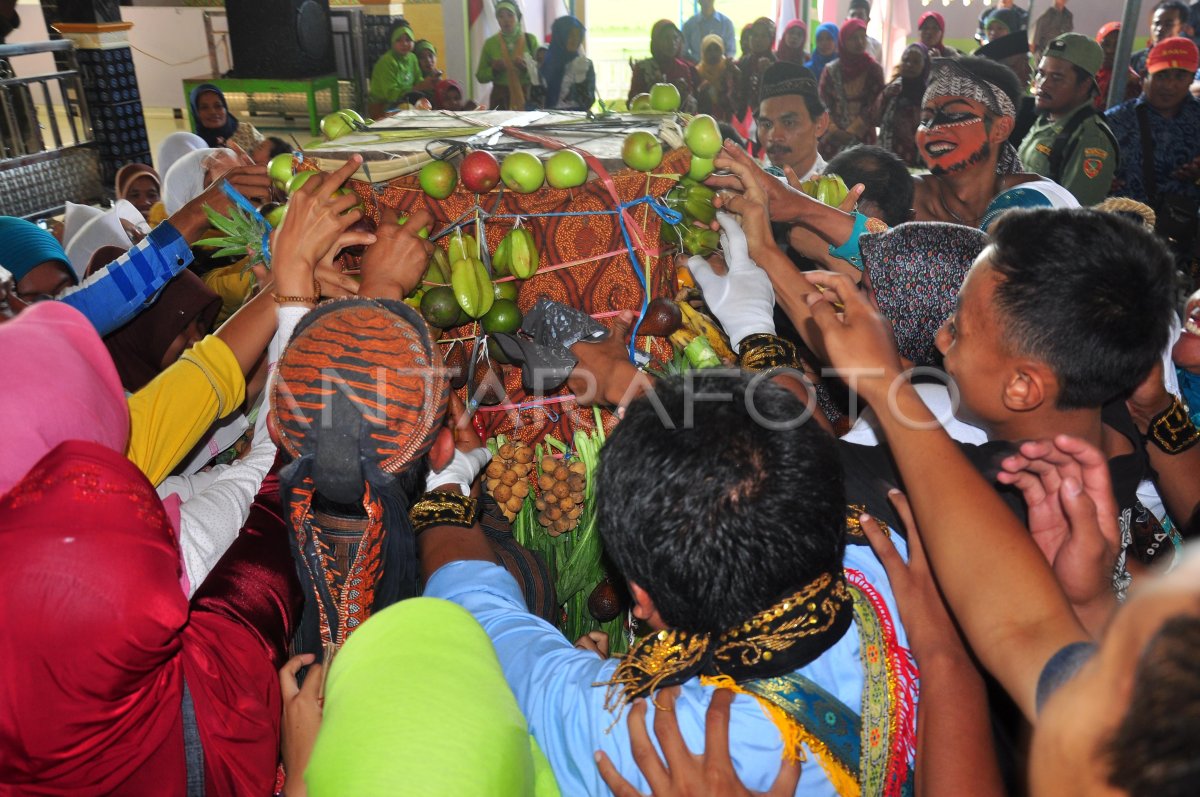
314,299
1172,430
439,508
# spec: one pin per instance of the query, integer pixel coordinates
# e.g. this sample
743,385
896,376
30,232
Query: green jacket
1090,157
492,52
393,77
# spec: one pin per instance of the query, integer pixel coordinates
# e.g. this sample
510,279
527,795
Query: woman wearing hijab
793,43
1003,21
506,60
140,185
900,105
37,261
174,147
568,74
825,49
122,685
448,96
427,56
753,65
395,73
718,79
850,88
120,226
932,27
429,661
1107,39
216,125
183,314
664,65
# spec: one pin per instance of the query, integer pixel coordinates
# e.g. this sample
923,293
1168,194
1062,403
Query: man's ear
822,124
1029,386
644,608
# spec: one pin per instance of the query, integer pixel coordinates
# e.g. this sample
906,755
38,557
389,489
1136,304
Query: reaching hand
784,202
741,299
1073,515
857,340
604,374
394,264
316,218
923,611
685,774
302,712
334,282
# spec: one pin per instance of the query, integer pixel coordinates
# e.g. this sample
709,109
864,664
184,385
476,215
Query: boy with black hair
724,513
887,186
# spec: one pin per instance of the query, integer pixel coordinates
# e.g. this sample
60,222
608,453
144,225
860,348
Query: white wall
168,46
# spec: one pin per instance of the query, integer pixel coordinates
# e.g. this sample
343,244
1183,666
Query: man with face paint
967,116
1070,143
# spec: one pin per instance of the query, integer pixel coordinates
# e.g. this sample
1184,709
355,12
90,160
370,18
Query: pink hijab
60,384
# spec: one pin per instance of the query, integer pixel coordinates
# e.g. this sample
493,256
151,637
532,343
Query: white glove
462,470
743,300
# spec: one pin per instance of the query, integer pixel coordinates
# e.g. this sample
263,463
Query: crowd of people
930,535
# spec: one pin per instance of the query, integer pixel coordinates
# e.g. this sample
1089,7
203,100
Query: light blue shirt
699,26
116,293
555,685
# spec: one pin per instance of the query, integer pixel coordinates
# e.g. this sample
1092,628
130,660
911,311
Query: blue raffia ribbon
236,197
670,216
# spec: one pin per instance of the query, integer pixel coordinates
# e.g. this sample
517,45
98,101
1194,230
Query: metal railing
13,99
36,178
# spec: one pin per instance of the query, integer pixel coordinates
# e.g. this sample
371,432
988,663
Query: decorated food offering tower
530,257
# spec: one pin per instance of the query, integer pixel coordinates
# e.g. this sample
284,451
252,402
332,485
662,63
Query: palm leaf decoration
243,236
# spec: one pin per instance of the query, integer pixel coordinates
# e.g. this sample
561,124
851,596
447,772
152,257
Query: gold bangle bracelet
314,299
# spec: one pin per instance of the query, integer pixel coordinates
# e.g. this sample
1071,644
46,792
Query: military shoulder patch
1092,167
1095,152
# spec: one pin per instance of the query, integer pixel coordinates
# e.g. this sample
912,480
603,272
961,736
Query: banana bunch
517,255
698,326
828,188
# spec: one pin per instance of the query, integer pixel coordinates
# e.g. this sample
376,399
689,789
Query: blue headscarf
27,246
817,62
557,58
213,136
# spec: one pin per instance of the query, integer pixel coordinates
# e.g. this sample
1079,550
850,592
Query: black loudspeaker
280,38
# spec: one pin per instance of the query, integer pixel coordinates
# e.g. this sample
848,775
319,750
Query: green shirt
493,52
393,77
1091,157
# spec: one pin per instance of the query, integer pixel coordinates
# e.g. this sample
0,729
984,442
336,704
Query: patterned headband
949,79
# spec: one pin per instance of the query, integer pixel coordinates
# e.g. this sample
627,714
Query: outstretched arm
999,586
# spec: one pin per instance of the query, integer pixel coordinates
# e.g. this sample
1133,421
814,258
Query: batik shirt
1176,143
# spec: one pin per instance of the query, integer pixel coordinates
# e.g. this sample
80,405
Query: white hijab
105,229
174,147
75,216
187,177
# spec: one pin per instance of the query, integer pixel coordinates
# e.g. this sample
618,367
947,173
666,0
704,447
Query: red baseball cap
1173,53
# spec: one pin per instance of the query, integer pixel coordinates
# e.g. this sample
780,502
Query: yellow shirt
234,287
172,413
